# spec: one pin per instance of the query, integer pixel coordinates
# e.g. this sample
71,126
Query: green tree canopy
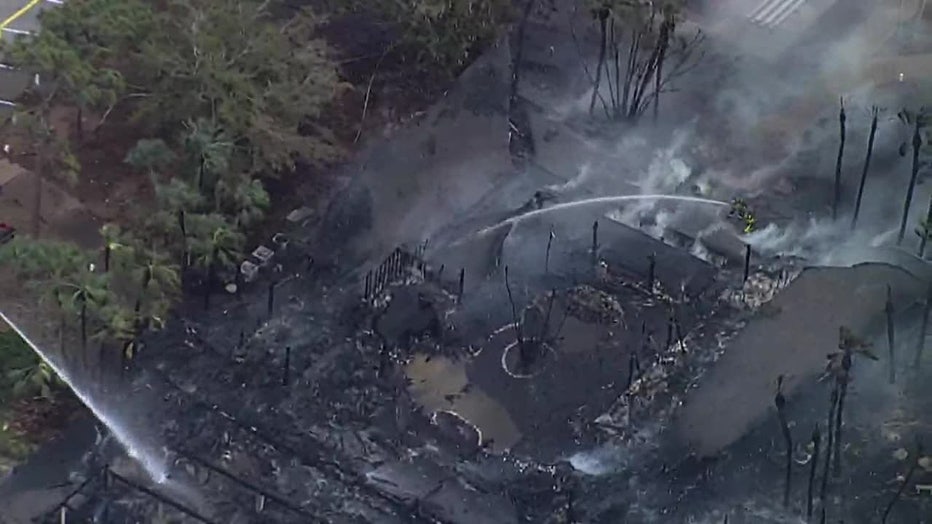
444,35
264,82
80,48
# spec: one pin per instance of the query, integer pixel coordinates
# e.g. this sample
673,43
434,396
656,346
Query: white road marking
771,13
7,103
17,31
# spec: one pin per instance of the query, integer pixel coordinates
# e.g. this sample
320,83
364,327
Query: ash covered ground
624,372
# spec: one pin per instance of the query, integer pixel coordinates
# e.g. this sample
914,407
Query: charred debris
255,419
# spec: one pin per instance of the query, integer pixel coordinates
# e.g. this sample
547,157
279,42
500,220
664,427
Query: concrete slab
792,339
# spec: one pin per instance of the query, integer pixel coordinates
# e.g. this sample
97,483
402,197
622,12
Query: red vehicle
7,232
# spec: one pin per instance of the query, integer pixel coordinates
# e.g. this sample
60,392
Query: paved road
17,18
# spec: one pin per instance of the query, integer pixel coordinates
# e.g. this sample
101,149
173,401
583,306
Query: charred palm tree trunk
603,47
823,492
286,367
523,355
917,143
547,255
867,163
839,412
146,280
107,250
184,241
814,462
651,272
62,325
925,230
84,325
211,271
780,401
666,29
838,160
902,488
921,342
891,337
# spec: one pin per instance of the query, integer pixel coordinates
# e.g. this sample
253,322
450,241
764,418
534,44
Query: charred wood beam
73,493
246,484
307,449
161,498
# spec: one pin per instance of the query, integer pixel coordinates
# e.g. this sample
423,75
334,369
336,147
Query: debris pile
759,289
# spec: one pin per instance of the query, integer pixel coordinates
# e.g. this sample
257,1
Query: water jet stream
600,200
154,468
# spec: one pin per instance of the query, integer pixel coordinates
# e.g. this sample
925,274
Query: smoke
699,251
598,461
802,240
582,179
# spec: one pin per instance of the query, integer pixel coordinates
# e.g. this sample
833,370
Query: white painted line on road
16,31
56,2
7,103
789,10
6,66
18,14
771,13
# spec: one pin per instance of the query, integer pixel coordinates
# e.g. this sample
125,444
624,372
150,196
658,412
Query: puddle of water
437,385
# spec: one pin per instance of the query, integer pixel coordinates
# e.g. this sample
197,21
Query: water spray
600,201
154,468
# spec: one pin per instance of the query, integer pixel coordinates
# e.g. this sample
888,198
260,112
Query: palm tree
214,245
159,284
209,150
116,247
241,197
175,199
215,242
118,325
29,374
83,293
43,260
36,379
839,367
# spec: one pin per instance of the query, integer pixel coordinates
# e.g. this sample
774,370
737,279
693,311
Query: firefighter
741,210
